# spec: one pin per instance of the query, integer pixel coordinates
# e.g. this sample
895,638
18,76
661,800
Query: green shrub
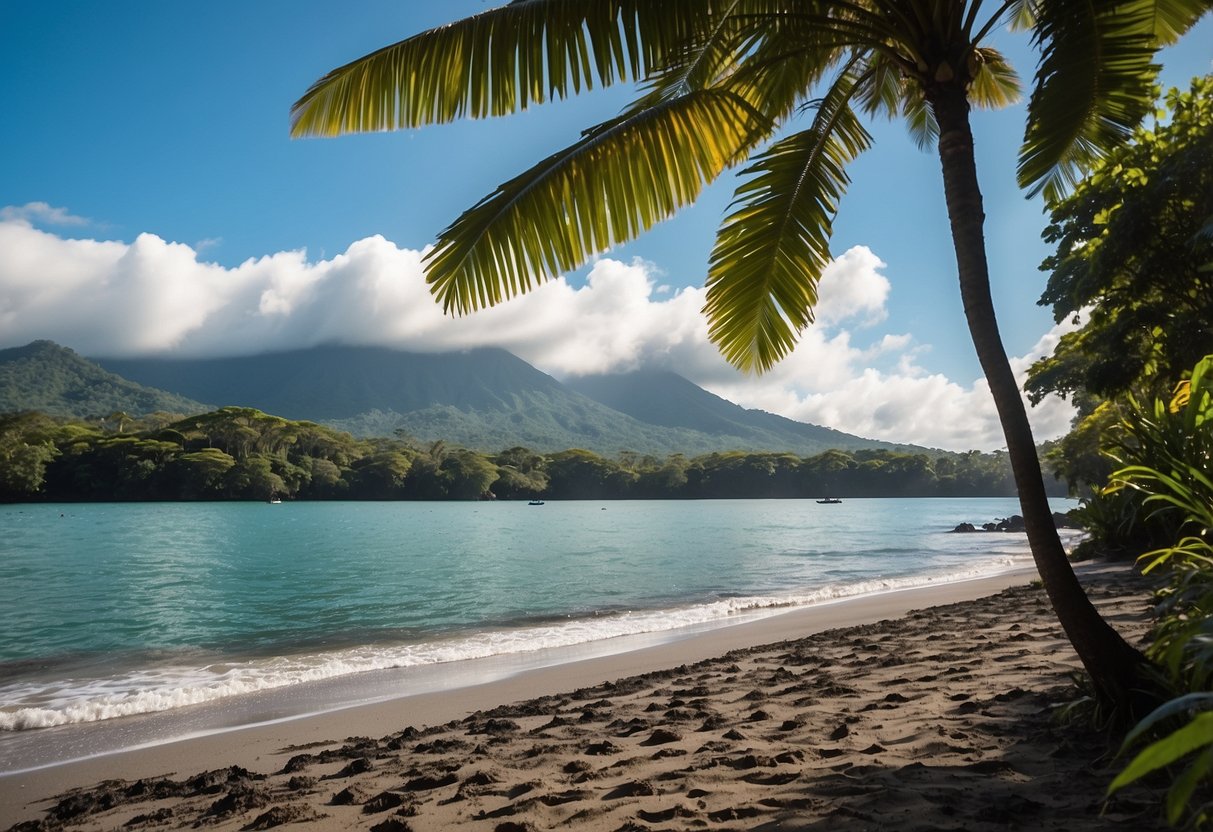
1177,440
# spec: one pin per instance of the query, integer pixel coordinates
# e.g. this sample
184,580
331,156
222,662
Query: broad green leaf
1185,784
1173,707
1198,733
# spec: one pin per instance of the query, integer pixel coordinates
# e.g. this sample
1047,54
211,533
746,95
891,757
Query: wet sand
861,714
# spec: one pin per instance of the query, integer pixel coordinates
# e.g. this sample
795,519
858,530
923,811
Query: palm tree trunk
1114,666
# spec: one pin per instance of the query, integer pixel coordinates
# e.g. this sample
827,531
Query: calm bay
119,610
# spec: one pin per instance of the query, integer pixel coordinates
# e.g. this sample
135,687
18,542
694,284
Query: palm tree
783,84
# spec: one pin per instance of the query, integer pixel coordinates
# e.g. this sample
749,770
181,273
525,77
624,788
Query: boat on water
829,501
535,503
274,500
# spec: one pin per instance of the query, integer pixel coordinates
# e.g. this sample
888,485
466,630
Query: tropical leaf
1169,451
1022,15
995,84
1172,18
1092,87
1196,734
776,67
620,179
762,68
701,59
1094,81
497,62
920,122
773,246
886,90
1172,708
1180,793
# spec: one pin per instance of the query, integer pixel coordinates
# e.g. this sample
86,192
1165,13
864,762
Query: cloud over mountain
151,296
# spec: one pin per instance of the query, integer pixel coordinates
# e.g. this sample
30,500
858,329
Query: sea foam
42,705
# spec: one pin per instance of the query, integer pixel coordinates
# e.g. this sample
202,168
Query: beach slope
942,718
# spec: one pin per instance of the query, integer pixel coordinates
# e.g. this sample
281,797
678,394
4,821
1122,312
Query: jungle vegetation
237,453
1134,267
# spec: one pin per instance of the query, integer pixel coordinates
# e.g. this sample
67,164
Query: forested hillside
240,454
45,376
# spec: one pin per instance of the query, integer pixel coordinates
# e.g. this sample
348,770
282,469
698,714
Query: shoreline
36,747
261,747
72,743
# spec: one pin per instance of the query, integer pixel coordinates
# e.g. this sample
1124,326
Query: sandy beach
929,708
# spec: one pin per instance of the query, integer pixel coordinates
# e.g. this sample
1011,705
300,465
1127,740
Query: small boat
274,500
829,501
535,503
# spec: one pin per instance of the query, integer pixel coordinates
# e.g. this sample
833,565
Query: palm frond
617,181
1093,84
920,119
867,25
497,62
702,58
1022,15
773,246
1172,18
883,94
780,66
765,68
995,83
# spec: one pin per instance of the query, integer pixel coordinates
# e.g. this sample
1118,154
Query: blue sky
170,120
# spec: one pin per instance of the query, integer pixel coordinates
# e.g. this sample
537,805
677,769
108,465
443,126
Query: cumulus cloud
853,287
151,296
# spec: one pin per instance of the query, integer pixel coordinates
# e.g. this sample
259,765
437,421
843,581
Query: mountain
660,397
338,382
487,399
45,376
484,398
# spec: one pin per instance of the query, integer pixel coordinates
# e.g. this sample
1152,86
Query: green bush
1177,439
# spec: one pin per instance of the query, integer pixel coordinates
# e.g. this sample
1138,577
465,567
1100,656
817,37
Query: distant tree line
243,454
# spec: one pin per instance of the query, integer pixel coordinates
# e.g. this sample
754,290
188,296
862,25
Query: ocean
110,611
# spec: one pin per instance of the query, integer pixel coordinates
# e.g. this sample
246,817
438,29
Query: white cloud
40,212
907,404
853,287
155,297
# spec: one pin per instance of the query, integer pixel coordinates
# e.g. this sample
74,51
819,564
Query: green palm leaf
995,84
1021,15
1093,84
707,54
920,120
887,90
496,62
1196,734
1171,18
772,248
620,179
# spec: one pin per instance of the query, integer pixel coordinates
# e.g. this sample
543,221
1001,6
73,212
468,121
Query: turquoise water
116,609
